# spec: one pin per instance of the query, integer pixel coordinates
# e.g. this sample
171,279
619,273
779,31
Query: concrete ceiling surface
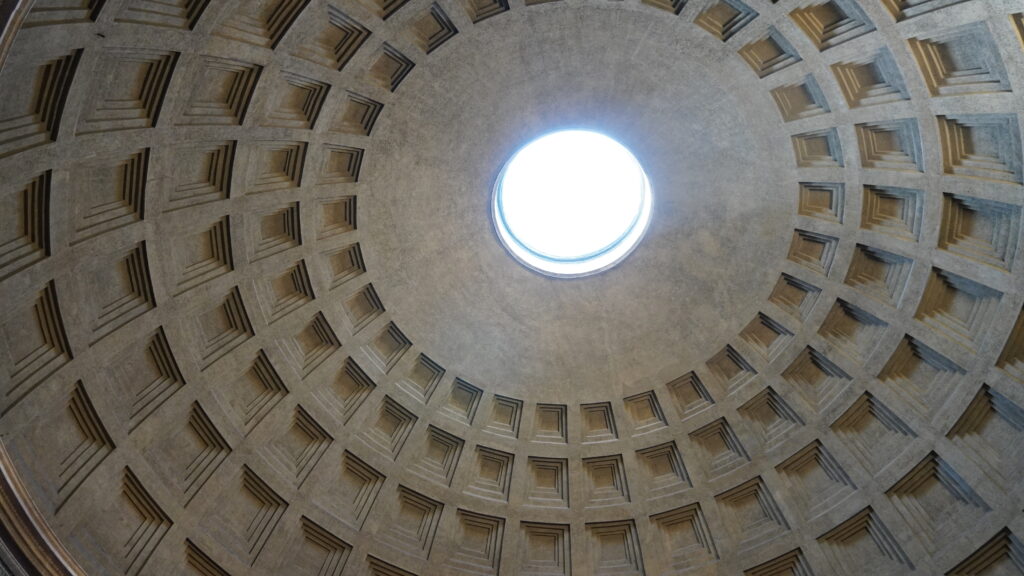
256,319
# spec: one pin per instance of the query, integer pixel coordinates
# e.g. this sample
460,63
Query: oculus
571,203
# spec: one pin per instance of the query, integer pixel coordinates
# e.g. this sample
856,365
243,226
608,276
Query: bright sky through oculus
572,203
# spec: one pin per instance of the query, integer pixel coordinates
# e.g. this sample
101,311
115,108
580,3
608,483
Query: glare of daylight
572,202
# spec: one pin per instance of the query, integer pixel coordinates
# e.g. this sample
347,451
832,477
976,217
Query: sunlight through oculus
572,203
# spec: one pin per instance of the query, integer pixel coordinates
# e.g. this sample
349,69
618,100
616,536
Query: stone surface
256,319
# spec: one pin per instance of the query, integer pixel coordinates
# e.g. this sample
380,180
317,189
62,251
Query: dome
263,309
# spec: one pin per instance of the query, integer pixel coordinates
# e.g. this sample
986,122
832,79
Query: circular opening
572,203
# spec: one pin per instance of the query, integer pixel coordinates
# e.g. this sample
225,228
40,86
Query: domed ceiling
256,318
